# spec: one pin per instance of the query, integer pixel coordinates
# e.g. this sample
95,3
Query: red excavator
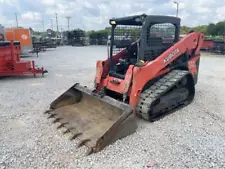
149,73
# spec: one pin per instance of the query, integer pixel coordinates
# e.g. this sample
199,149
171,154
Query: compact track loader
149,73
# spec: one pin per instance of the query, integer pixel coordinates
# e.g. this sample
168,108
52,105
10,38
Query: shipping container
22,35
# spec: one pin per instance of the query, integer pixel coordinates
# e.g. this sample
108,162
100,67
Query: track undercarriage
170,93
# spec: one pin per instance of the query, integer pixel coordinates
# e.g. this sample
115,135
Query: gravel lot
190,138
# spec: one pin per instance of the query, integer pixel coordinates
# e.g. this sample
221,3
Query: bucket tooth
62,125
68,130
47,111
57,120
89,151
51,116
74,136
82,142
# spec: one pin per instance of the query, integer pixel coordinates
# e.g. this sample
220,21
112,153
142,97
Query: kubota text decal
171,55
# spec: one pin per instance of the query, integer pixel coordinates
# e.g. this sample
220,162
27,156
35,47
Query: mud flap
96,120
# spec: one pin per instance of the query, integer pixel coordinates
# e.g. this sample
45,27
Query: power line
68,19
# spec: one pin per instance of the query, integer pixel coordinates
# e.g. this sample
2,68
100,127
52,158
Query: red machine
207,44
153,75
10,63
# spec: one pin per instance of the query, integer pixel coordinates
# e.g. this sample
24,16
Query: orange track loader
149,73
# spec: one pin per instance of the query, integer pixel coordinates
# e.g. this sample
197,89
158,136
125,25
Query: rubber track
156,90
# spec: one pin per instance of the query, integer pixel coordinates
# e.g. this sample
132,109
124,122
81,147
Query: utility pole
68,19
177,6
61,28
52,24
16,20
56,17
43,27
61,31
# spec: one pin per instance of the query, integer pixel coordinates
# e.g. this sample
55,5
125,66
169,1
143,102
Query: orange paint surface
19,34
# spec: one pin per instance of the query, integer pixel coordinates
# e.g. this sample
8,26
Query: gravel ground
190,138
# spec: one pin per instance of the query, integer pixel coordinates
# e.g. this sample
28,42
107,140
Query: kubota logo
171,55
24,37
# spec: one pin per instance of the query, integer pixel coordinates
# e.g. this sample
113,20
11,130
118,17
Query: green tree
220,28
184,29
201,28
211,29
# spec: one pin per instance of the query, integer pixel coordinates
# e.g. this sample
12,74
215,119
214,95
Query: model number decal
171,55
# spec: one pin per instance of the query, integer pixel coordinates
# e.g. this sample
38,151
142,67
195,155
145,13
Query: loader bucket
95,120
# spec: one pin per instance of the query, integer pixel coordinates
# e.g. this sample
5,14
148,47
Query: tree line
212,29
99,37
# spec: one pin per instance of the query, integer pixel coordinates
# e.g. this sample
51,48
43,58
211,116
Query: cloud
31,16
220,13
9,2
48,2
94,14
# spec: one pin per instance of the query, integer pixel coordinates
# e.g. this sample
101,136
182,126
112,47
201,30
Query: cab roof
139,19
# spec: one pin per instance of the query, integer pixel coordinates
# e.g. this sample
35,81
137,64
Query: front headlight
113,22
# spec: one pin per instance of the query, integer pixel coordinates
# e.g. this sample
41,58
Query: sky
95,14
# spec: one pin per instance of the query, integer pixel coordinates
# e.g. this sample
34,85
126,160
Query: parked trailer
11,64
207,44
214,45
219,46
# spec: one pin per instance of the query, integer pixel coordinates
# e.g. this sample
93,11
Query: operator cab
143,37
